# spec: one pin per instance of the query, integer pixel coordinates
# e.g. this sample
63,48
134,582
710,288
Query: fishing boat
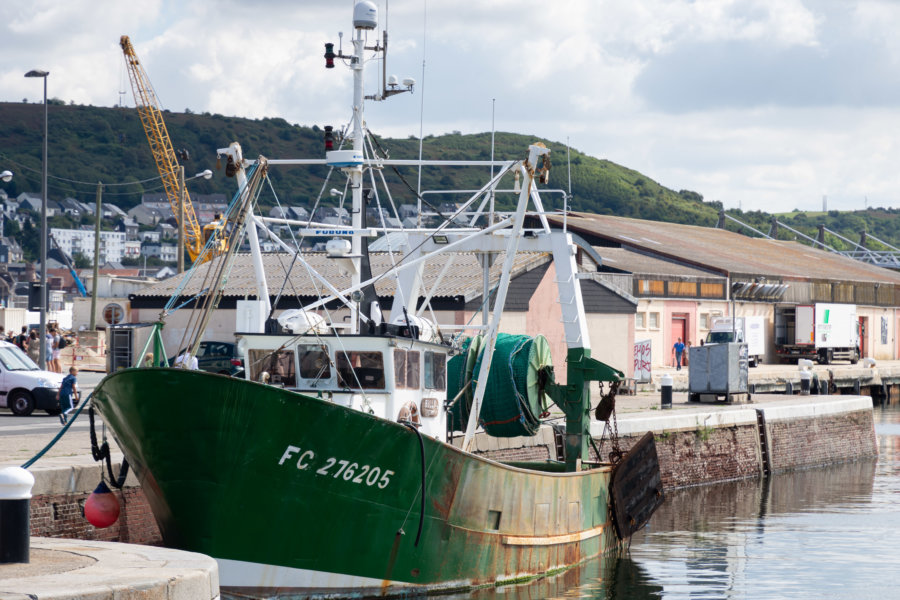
341,464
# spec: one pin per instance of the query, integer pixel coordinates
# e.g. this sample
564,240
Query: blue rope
62,432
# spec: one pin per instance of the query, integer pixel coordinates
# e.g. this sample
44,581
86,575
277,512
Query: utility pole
99,215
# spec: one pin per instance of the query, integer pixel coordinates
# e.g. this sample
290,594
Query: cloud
765,102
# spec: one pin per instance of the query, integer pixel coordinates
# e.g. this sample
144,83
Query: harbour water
824,533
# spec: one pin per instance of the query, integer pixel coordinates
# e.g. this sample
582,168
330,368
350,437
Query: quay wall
706,446
57,507
695,446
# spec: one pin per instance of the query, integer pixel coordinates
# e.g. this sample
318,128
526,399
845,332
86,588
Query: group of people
30,343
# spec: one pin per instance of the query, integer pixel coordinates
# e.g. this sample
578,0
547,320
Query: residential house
29,202
132,249
111,211
10,206
129,227
149,215
165,273
332,215
164,252
297,213
208,206
10,251
149,236
167,231
72,207
81,241
88,208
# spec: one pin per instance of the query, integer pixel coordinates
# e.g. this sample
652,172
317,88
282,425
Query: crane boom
161,146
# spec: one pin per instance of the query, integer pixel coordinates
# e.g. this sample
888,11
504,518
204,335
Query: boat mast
352,162
355,173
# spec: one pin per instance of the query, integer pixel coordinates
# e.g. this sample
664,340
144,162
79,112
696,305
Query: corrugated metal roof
463,278
642,264
726,251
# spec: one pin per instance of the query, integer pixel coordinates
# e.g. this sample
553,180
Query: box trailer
749,330
718,372
824,332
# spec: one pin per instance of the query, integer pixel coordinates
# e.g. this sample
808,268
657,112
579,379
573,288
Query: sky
767,105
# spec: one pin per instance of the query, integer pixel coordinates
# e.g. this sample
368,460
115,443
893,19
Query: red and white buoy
102,507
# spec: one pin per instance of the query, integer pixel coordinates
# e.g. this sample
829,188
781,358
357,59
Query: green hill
91,144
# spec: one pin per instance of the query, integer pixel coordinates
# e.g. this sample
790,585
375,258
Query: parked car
24,386
217,357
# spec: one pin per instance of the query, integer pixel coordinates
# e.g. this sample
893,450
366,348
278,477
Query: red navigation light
329,56
329,138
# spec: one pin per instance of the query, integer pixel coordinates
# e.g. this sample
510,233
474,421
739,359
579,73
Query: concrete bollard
15,514
805,379
665,383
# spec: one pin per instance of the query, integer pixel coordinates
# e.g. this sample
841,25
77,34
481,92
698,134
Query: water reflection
608,578
830,532
819,533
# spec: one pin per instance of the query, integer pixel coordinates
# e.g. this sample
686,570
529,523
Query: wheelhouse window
435,370
413,380
406,369
314,362
273,366
360,370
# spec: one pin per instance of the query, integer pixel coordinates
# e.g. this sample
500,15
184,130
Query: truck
749,330
822,331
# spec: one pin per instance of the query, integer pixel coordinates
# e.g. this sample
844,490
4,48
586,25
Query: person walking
33,346
67,396
678,350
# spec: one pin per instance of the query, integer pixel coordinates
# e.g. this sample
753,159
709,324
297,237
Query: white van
24,386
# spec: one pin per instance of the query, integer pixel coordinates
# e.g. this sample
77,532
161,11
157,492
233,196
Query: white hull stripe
242,574
514,540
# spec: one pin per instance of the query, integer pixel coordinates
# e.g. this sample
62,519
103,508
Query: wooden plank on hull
636,487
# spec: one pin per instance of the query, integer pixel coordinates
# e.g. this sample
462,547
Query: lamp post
5,177
44,291
207,174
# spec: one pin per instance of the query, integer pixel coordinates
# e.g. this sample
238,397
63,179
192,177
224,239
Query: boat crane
148,108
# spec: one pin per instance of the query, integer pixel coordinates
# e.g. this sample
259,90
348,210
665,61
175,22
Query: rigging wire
24,167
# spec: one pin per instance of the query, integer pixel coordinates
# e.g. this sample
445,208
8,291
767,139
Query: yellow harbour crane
166,160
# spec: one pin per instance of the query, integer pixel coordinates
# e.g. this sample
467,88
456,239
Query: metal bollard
665,383
15,514
805,378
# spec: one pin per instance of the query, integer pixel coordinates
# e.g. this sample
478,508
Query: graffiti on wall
642,358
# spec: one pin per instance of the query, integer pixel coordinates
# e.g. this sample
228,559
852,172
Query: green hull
271,481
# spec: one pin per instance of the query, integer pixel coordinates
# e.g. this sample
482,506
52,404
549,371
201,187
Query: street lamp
207,174
44,294
5,177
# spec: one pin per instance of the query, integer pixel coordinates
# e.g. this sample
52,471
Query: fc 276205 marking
339,468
